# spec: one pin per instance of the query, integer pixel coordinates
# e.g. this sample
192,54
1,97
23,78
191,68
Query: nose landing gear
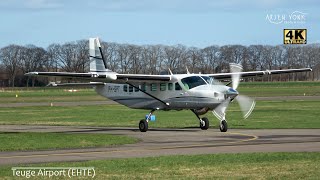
204,122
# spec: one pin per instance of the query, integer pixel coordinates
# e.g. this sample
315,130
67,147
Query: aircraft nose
232,93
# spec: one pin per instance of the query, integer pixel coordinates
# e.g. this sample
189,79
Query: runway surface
159,142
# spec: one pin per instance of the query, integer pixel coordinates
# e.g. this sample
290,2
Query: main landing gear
143,124
204,122
223,126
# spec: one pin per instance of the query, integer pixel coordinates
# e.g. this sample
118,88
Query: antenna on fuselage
187,70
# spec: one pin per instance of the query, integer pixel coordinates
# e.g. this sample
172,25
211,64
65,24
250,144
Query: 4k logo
295,36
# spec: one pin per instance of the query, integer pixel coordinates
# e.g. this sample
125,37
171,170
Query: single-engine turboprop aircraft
199,93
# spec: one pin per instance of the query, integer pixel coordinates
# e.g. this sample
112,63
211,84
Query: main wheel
143,125
204,124
223,126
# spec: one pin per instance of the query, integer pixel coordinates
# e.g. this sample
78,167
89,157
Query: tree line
15,60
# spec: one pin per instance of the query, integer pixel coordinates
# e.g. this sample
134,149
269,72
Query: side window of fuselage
125,88
143,87
163,86
153,87
170,86
130,88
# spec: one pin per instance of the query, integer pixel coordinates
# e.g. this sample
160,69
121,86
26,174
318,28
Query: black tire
143,125
223,126
204,126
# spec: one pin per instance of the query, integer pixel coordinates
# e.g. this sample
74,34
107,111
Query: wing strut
137,87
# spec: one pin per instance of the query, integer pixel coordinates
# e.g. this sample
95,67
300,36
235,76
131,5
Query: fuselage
188,91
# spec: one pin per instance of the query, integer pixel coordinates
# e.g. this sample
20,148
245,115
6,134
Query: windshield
208,79
193,81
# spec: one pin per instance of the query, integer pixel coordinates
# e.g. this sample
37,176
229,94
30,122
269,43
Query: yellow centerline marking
254,137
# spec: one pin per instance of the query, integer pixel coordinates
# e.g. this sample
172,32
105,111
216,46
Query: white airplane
199,93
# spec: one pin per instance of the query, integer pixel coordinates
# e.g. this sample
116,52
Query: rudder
97,62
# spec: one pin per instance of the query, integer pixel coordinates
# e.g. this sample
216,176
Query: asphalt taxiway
162,141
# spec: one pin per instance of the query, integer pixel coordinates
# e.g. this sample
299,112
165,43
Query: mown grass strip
267,114
17,141
212,166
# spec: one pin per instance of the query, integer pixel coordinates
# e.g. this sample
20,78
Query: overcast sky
198,23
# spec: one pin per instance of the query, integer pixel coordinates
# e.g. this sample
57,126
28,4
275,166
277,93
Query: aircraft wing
105,77
143,77
257,73
122,78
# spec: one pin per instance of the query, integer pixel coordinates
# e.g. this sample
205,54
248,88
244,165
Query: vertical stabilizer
97,61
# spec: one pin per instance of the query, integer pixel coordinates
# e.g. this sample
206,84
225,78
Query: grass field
254,89
267,114
48,95
42,141
265,89
214,166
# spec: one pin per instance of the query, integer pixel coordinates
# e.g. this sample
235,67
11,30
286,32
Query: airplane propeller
235,68
246,103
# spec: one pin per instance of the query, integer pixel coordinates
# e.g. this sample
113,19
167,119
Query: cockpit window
208,79
192,81
177,87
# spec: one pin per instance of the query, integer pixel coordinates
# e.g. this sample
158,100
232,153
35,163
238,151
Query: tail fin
97,62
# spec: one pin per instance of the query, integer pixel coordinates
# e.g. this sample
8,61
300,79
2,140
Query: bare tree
196,60
11,58
32,59
123,58
82,56
73,57
135,58
210,57
110,54
157,59
52,58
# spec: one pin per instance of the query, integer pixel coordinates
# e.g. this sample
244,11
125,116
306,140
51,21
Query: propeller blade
235,68
220,110
247,105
